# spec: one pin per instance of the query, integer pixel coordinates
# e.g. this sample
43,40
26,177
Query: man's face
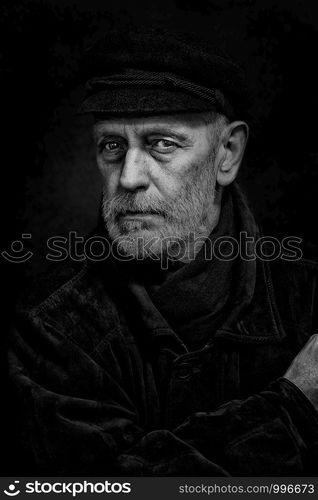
159,179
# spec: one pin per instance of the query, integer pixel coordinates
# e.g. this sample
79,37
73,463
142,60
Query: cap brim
142,101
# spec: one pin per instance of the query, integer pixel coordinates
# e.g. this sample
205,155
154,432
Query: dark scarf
195,299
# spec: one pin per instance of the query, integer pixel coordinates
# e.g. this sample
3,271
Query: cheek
178,176
168,184
170,179
110,179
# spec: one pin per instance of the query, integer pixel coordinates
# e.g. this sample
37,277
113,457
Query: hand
303,371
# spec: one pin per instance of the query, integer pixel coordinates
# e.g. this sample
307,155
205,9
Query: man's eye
163,145
112,147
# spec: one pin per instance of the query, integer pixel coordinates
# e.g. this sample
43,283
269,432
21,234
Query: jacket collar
261,322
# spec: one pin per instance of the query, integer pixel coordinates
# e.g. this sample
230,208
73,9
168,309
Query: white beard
188,216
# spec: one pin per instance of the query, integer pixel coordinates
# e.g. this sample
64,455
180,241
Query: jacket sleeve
77,419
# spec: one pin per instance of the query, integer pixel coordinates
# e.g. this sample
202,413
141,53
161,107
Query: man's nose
134,174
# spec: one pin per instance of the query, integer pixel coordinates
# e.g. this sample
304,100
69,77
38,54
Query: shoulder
75,303
295,277
295,263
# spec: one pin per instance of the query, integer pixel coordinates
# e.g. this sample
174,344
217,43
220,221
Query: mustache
124,203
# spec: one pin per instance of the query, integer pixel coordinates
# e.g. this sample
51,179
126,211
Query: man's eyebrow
146,131
166,131
101,134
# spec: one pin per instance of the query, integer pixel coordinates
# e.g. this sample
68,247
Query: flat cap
146,72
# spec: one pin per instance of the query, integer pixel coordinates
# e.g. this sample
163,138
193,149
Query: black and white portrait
159,190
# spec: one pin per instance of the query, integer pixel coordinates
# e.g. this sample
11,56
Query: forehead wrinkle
106,127
144,125
122,127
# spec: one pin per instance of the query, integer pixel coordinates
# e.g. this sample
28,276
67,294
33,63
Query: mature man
169,357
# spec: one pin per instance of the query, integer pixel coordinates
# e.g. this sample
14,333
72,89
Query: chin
139,243
135,241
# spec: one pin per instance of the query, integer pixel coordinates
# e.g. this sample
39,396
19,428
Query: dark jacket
97,397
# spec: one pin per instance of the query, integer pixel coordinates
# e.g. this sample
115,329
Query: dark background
49,183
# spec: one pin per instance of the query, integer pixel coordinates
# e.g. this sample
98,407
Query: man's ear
231,150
